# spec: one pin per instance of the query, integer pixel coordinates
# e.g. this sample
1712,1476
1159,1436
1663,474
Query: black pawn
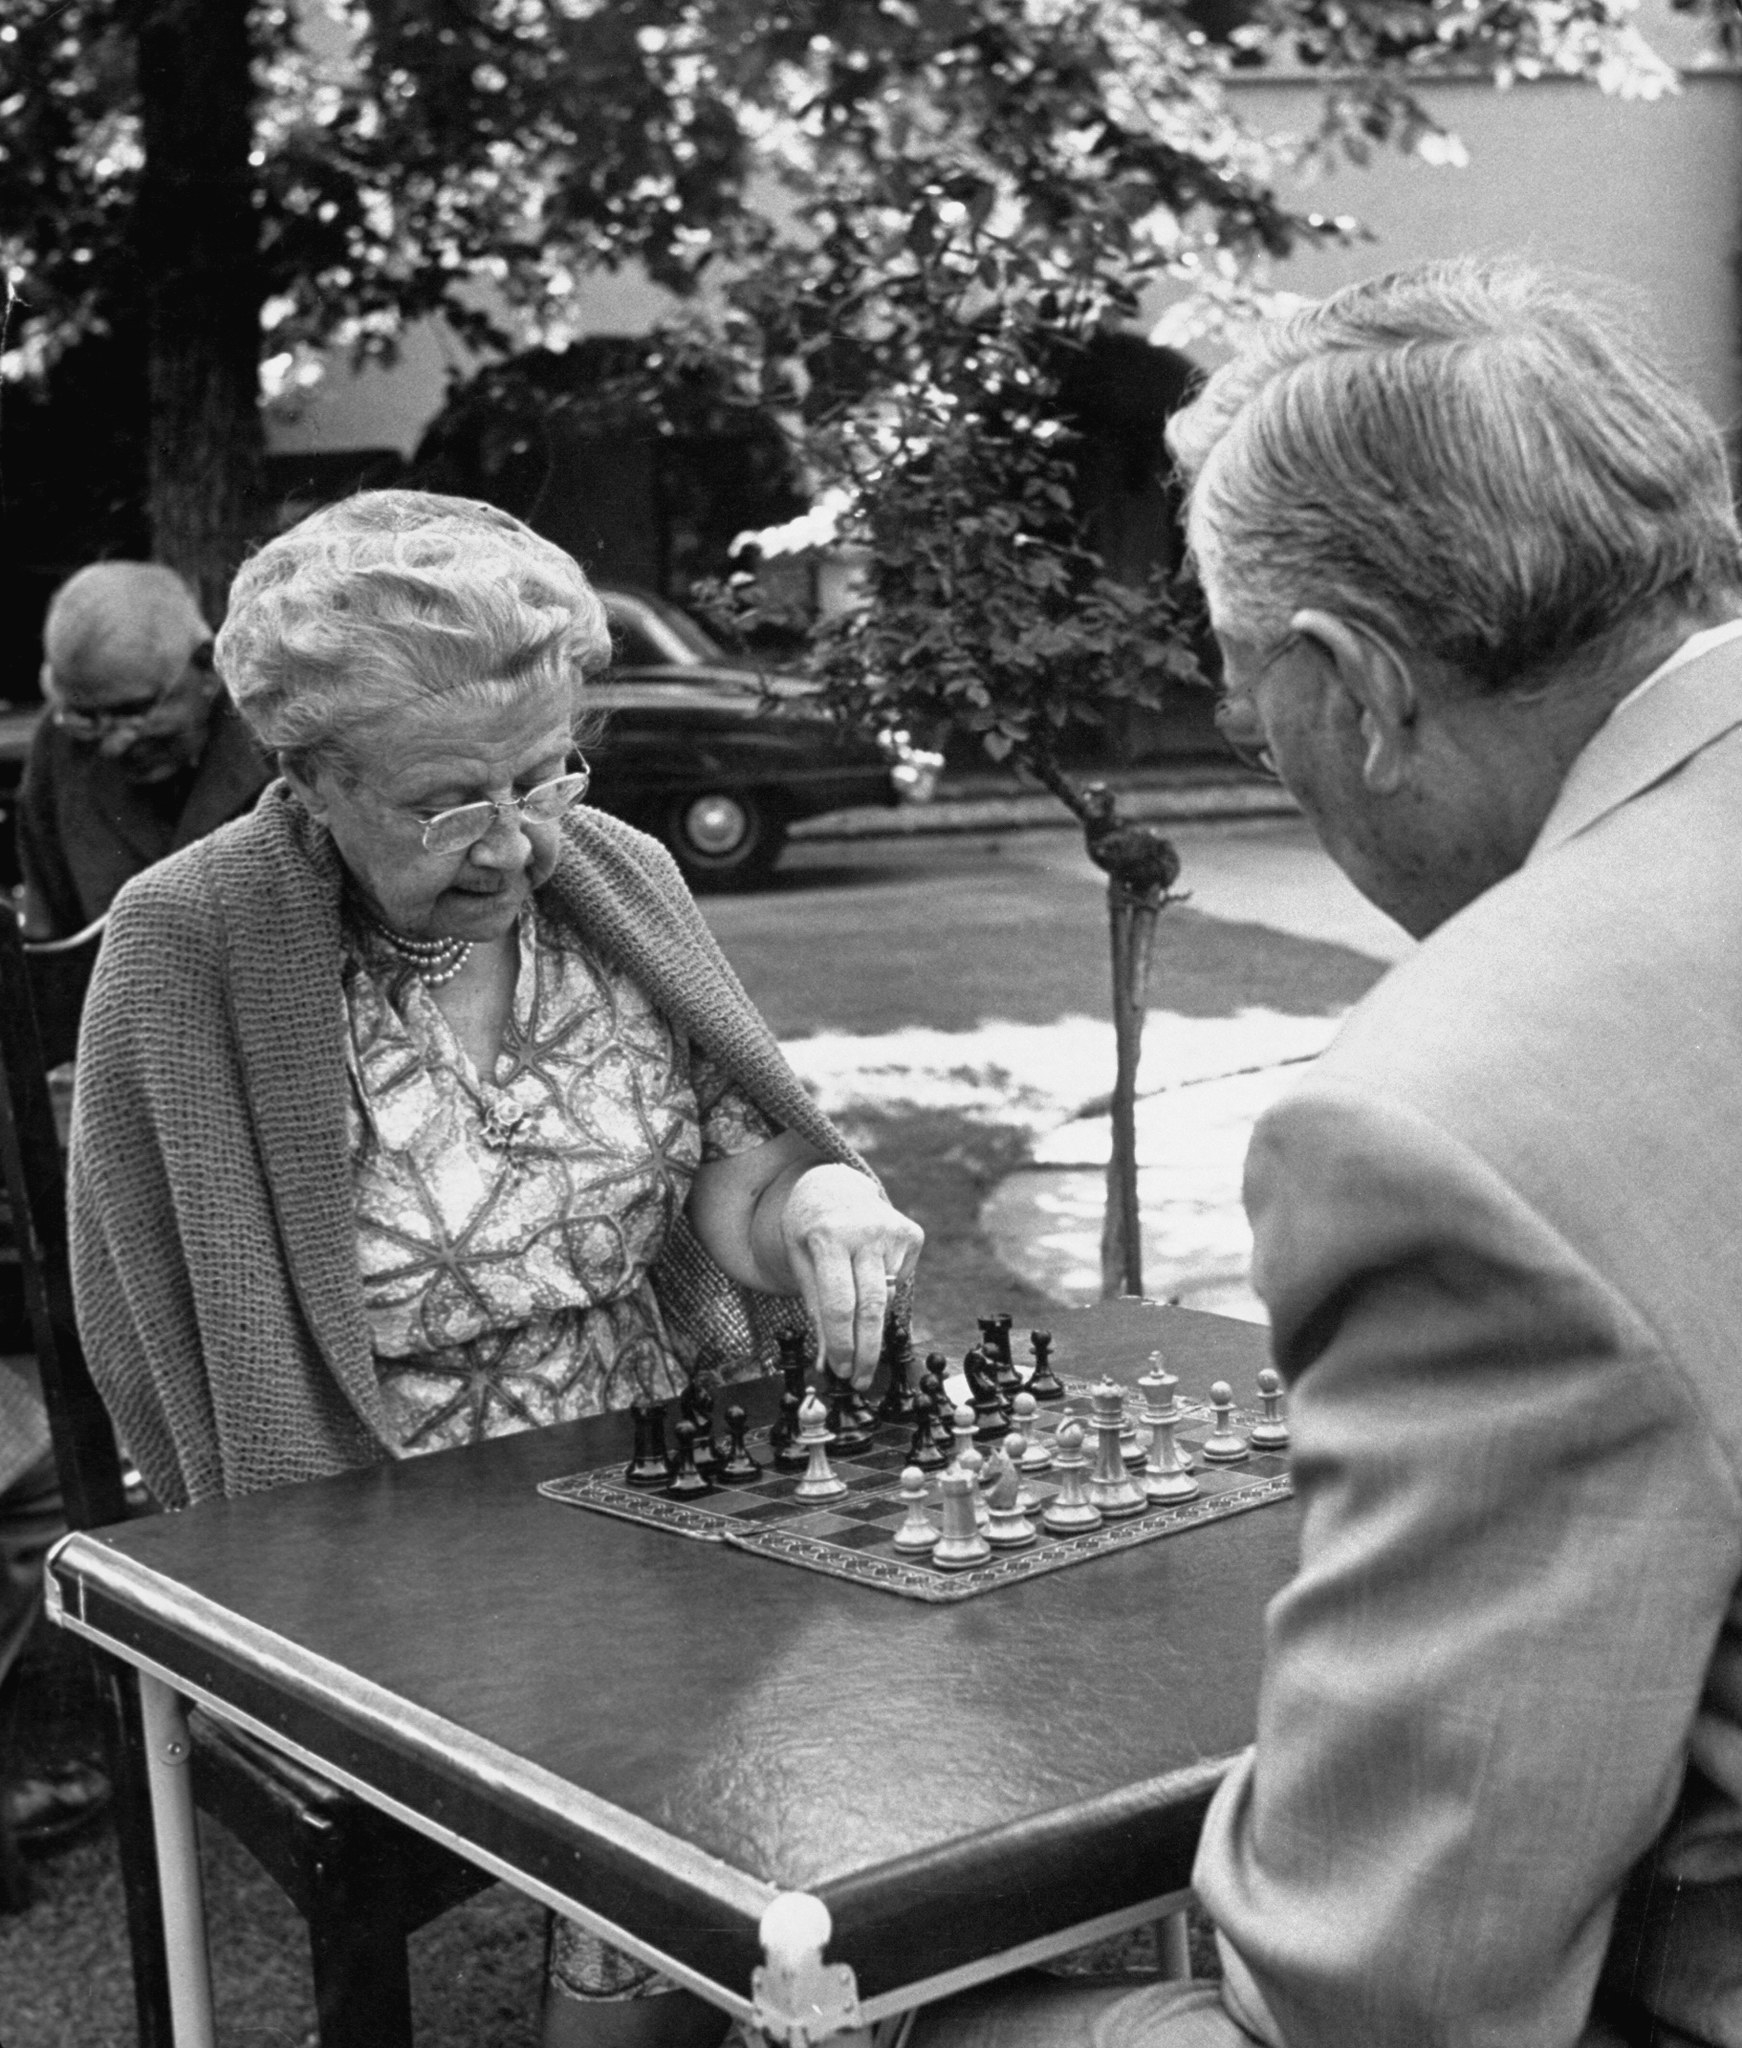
648,1466
737,1467
925,1451
1045,1384
846,1423
686,1483
787,1455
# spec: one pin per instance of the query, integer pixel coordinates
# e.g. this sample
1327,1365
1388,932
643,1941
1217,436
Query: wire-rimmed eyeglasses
95,726
1237,718
455,830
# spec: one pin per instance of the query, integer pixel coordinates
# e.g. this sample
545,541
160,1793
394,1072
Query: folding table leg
1174,1941
178,1864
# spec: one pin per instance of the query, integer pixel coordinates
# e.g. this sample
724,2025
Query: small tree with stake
967,218
976,188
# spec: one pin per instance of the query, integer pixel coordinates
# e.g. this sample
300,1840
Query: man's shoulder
1604,943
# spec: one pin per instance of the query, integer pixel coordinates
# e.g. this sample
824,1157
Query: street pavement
968,973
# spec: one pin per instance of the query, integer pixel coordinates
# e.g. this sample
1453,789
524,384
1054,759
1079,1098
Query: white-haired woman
420,1105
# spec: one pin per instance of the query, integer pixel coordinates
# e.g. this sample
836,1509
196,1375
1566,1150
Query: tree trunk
1141,868
1132,915
198,245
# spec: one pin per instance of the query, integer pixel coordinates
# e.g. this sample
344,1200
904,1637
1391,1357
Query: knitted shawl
210,1192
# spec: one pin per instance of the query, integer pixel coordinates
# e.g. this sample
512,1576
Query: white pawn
1036,1457
1070,1510
918,1532
1224,1445
962,1423
1270,1432
1027,1500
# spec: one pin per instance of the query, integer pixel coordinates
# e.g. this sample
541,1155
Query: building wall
1648,193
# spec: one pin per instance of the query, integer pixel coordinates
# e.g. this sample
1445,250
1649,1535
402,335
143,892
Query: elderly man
1472,562
139,751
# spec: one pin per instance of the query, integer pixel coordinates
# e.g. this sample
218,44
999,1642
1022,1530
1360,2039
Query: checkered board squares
851,1537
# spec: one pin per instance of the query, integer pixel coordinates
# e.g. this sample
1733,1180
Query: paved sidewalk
1194,790
1211,1065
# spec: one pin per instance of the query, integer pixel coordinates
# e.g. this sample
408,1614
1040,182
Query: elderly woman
420,1106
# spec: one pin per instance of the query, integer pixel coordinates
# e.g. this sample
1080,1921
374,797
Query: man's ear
1378,683
308,789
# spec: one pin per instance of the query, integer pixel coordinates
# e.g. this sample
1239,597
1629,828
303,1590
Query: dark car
718,759
715,758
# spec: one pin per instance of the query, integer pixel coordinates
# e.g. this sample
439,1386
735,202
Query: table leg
801,2001
178,1864
1173,1940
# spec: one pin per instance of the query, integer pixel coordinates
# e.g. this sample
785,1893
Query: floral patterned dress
506,1224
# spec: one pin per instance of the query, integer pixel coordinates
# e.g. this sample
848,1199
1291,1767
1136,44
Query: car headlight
913,770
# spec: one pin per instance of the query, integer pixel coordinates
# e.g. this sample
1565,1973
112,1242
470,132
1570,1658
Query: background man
1473,566
139,751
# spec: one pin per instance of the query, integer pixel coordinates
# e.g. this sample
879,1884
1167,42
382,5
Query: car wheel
724,839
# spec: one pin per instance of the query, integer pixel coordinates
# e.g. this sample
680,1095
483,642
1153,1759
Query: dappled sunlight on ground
1202,1084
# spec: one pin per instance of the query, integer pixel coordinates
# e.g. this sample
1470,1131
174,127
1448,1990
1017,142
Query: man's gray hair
391,598
1475,459
132,624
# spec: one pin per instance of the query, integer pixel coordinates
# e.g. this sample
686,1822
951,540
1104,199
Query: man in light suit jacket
1473,566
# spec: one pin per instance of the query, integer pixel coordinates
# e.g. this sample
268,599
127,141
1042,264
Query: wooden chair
361,1881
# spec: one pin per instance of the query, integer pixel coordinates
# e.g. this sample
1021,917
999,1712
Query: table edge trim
383,1714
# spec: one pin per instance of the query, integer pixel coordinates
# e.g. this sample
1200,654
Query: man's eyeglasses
93,726
462,827
1237,720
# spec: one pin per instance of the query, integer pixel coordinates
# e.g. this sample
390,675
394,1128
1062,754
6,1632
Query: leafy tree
976,190
908,214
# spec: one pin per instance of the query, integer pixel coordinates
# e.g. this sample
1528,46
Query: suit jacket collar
1647,740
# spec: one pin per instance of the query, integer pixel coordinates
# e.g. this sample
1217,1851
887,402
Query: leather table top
668,1732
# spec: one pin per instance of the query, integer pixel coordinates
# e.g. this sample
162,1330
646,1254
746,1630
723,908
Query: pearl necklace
434,961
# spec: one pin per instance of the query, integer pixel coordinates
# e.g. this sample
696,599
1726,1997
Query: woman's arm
782,1218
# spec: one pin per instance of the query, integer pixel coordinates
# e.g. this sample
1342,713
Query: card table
666,1739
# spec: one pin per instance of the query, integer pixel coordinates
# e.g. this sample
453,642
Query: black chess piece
737,1467
925,1451
686,1483
1044,1384
990,1418
795,1361
897,1404
847,1416
787,1455
696,1404
995,1343
648,1465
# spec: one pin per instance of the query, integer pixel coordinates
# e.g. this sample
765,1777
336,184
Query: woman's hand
779,1218
847,1248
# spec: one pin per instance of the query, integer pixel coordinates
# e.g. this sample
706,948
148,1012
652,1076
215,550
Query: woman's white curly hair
394,598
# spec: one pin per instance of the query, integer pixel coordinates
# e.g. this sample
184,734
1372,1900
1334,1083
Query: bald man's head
127,667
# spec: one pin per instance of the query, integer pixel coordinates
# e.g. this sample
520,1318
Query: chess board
851,1537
